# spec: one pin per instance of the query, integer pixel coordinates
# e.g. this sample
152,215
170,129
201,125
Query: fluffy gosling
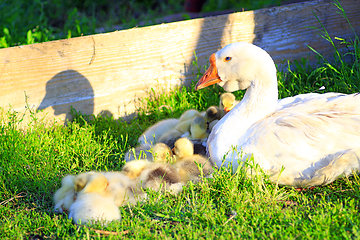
154,132
93,203
191,166
65,195
227,102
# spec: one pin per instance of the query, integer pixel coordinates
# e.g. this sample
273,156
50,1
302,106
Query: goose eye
227,59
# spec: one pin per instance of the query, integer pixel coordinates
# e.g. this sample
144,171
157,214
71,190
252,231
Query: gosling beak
210,77
226,110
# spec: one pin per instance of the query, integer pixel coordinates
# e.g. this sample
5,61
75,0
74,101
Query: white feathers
315,137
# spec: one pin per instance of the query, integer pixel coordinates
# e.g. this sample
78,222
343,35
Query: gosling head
198,127
162,153
97,183
183,147
213,113
227,102
81,180
189,114
134,168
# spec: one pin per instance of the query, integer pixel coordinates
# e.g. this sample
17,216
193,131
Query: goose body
315,137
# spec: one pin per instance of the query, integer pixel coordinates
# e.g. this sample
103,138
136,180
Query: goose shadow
68,89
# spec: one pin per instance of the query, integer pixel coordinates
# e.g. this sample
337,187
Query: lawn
228,206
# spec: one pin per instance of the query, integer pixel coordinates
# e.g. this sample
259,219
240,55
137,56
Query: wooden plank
109,72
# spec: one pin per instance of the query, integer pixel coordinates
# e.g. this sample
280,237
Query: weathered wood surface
109,72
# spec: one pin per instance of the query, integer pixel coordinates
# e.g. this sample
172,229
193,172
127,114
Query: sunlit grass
228,206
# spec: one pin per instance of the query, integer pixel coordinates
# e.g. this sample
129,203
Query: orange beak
226,110
210,77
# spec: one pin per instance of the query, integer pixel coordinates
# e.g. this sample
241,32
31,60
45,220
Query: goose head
237,66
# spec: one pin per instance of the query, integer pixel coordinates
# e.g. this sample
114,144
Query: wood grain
108,73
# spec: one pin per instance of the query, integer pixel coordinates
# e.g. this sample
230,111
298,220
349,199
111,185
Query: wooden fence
107,73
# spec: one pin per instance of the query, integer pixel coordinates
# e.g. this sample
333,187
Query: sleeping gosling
93,203
65,195
81,180
191,166
122,188
189,114
154,132
161,177
174,134
134,168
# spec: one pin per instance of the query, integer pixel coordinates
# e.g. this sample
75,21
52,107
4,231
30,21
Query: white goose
315,137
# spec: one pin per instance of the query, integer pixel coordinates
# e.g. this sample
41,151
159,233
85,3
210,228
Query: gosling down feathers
160,152
154,175
123,189
191,166
65,195
227,102
154,132
213,113
93,203
314,137
161,177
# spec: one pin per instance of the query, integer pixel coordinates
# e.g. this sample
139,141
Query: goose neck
259,101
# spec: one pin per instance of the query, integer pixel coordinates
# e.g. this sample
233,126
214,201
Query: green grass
229,206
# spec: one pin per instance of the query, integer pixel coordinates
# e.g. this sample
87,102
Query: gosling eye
227,59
